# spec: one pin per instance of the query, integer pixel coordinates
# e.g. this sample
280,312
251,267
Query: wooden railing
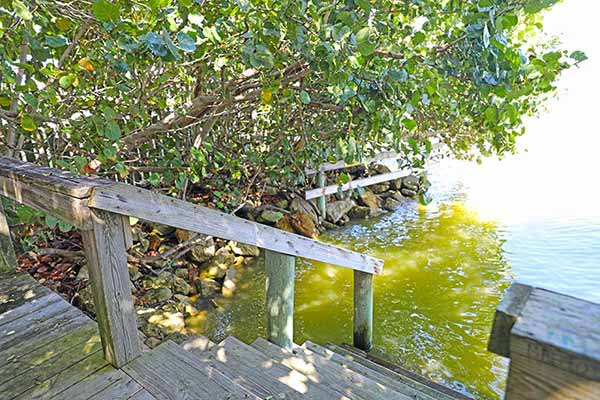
553,342
100,209
323,190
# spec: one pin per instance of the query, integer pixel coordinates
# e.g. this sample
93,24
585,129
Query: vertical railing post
280,270
363,310
8,260
104,246
322,201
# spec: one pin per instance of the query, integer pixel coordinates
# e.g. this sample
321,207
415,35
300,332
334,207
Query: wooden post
322,201
280,298
363,310
8,260
107,262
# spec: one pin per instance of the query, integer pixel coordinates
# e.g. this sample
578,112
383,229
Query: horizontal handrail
384,155
70,198
158,208
364,182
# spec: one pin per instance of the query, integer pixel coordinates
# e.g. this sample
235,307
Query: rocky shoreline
177,276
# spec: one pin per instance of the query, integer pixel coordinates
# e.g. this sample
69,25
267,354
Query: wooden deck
51,350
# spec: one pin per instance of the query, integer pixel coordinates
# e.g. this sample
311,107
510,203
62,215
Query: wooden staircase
200,369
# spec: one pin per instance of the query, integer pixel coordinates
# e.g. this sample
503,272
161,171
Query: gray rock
397,196
359,212
380,169
182,273
337,209
241,249
380,187
283,203
158,295
299,204
409,193
218,265
230,282
134,272
391,204
396,184
181,286
209,287
368,199
411,182
270,216
83,273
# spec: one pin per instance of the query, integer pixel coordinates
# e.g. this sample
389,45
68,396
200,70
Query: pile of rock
292,213
178,296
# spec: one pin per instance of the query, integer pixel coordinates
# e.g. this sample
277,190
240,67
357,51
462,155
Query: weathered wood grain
82,339
322,201
122,389
154,207
505,317
64,207
397,373
127,233
54,386
28,308
94,383
318,369
280,269
21,383
384,155
363,310
532,380
349,363
41,337
104,246
48,178
142,395
257,373
169,372
8,260
364,182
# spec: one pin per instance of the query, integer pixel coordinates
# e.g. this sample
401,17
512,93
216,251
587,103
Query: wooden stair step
259,373
170,372
349,363
345,381
409,378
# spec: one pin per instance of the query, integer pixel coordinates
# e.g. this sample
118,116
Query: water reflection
444,274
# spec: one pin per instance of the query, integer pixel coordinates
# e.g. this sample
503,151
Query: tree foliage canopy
247,87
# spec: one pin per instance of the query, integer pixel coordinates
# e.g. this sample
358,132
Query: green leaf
418,38
50,221
304,97
156,44
364,43
21,10
56,41
579,56
409,124
106,11
185,42
28,123
364,4
112,131
110,152
64,226
66,81
170,45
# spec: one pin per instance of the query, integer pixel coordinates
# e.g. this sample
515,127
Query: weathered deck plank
81,339
168,372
